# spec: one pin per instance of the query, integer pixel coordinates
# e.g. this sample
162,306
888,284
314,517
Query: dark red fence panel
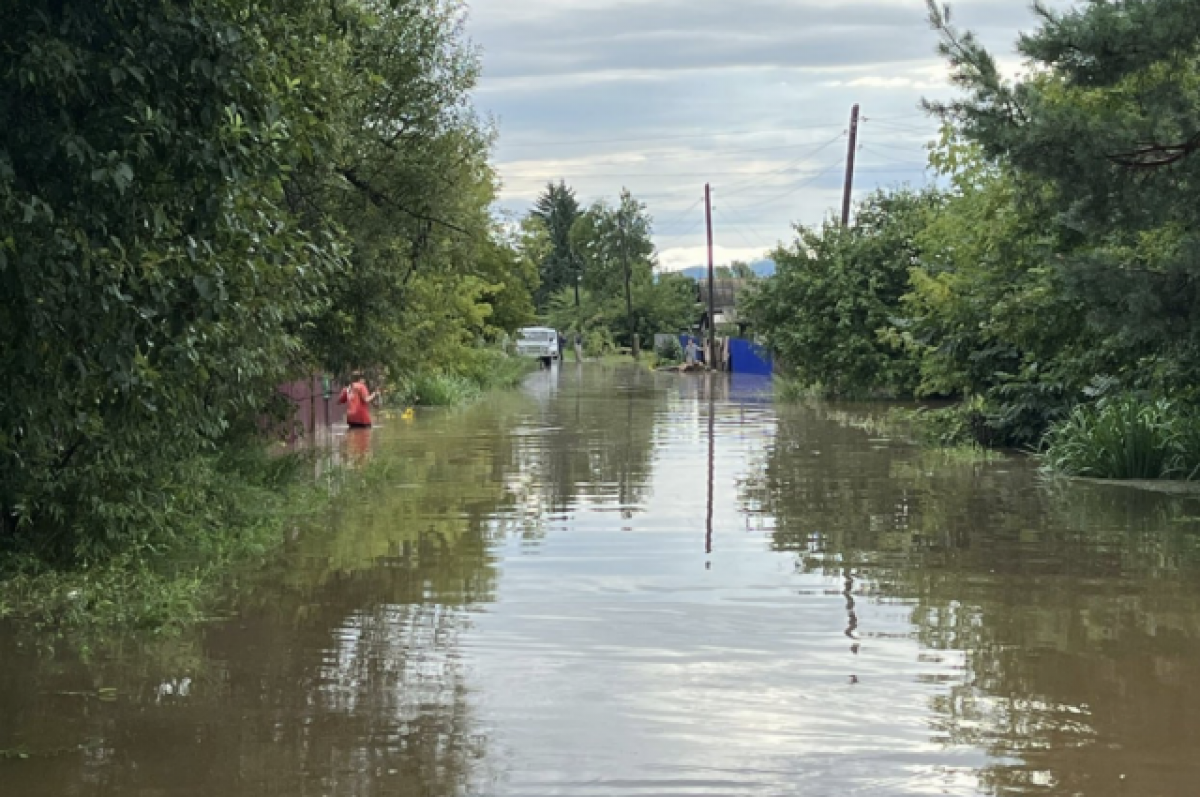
316,410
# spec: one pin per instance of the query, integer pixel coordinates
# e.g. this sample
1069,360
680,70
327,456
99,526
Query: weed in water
1126,438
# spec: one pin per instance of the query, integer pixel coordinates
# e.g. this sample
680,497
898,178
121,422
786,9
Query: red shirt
359,398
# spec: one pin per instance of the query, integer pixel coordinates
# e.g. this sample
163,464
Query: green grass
1126,438
241,509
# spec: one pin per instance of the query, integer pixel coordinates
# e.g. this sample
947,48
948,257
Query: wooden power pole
712,301
849,188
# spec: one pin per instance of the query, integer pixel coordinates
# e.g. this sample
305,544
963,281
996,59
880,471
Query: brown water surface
621,583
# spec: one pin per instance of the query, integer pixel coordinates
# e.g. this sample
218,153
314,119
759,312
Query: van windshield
537,334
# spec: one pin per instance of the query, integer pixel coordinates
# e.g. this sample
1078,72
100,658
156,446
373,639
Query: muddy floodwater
620,583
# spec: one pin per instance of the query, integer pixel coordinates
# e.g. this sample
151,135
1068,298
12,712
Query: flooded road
621,583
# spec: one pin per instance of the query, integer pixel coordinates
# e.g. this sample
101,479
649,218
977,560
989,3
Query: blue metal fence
746,357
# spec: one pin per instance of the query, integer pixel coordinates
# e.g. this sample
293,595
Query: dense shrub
670,351
830,312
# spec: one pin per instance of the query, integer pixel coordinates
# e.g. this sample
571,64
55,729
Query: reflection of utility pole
849,187
851,614
708,540
633,341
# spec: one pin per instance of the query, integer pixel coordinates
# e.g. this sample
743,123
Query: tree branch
383,200
1154,156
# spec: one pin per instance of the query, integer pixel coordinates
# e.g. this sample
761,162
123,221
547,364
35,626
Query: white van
539,342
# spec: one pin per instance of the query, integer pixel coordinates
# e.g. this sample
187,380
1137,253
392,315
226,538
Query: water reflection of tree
1077,606
596,442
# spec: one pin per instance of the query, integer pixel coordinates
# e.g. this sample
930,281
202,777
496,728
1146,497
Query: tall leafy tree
202,199
558,210
617,250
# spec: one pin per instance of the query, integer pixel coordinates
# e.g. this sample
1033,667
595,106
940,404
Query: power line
804,184
746,185
906,128
684,214
760,131
736,228
923,146
627,175
682,155
895,118
871,149
743,173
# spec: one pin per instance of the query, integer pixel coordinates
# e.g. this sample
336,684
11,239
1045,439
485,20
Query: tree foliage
199,200
831,310
559,267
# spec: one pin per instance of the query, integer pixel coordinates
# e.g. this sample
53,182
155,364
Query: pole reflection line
708,539
851,614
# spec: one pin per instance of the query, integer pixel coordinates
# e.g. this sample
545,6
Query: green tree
201,200
740,269
618,253
988,313
832,310
151,281
408,184
1109,122
558,210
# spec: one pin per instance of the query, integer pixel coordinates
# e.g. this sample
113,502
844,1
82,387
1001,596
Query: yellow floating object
408,414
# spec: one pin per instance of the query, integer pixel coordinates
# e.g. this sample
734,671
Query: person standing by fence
359,398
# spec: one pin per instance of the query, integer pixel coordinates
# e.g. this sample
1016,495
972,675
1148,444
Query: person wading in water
360,398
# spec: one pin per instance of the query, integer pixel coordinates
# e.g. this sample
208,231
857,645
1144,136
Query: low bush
598,342
479,371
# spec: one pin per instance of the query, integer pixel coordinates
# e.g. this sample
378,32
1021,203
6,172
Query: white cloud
681,257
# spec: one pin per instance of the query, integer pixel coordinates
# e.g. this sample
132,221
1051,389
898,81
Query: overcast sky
752,96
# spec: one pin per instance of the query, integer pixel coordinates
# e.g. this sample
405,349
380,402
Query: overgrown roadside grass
482,371
246,505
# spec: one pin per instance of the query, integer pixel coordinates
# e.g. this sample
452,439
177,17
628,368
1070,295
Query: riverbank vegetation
1050,279
200,202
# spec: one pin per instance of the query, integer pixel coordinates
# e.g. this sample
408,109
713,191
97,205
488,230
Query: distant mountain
763,268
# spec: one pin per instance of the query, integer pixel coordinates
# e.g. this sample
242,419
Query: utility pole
849,189
633,338
712,302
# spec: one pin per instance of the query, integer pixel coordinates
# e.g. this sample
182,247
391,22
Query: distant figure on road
578,347
360,398
690,352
